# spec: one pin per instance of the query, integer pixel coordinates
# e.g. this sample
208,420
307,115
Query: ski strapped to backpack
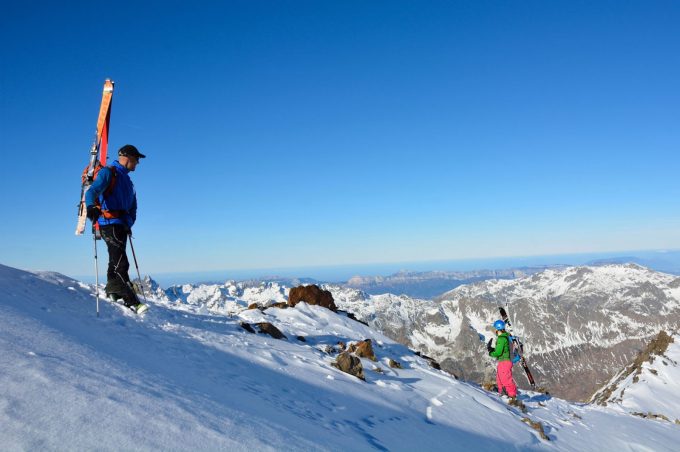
97,153
517,348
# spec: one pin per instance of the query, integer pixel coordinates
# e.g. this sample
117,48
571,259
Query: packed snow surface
184,378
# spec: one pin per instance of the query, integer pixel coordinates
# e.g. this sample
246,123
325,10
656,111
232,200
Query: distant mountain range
433,283
579,324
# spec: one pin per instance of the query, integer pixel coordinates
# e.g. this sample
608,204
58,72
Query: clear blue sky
304,133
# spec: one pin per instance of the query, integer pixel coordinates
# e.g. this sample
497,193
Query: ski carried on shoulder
519,346
97,152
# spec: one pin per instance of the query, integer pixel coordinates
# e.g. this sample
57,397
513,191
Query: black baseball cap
130,151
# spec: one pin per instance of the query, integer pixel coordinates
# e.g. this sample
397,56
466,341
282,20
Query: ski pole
139,276
96,269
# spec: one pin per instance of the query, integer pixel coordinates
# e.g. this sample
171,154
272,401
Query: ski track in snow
181,377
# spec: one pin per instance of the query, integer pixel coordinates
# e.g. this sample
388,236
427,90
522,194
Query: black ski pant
117,277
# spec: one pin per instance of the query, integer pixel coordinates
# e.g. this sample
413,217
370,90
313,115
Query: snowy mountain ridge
197,380
576,322
649,385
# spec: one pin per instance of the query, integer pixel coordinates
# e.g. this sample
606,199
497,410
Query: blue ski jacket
122,199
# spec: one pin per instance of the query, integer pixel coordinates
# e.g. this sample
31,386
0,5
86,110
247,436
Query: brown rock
247,327
394,364
253,306
536,426
489,386
434,364
342,346
311,295
349,364
268,328
364,349
353,317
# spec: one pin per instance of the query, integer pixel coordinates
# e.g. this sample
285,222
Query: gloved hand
488,345
93,213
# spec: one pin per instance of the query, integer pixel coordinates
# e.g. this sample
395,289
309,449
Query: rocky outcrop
349,364
268,328
313,295
247,327
363,349
656,347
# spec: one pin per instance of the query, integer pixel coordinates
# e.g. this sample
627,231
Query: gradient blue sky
305,133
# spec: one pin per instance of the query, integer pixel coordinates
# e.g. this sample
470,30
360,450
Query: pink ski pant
504,378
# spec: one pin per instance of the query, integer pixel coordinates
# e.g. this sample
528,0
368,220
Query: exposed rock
489,386
353,317
514,401
313,295
656,347
268,328
536,426
434,364
280,305
253,306
301,339
651,416
349,364
364,349
247,327
394,364
342,346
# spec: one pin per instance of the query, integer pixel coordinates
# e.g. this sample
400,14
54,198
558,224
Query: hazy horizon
661,260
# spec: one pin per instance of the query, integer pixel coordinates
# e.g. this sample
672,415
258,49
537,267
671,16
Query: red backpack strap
112,183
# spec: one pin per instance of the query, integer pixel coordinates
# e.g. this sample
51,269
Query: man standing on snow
502,353
112,202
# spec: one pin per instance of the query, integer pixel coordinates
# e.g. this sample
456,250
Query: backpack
97,167
515,348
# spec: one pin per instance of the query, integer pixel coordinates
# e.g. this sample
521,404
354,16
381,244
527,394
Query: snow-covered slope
584,323
180,378
651,384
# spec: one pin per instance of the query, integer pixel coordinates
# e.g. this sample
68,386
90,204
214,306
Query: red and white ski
99,148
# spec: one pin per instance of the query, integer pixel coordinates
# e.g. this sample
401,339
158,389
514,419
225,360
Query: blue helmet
499,325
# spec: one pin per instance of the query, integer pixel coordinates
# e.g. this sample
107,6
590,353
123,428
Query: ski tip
108,85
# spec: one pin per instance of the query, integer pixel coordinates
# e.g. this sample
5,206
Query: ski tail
98,151
527,372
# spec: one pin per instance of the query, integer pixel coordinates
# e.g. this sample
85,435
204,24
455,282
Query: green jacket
502,350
